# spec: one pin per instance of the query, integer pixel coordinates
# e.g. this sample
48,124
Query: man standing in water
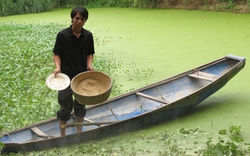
73,54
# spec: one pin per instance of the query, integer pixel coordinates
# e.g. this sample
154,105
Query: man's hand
90,68
56,71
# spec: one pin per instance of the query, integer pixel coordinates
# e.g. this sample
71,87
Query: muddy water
173,41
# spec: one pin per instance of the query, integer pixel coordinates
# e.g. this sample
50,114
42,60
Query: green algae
170,42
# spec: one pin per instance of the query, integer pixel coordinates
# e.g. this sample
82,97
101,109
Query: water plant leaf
223,131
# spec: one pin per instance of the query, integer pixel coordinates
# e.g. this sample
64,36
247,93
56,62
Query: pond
171,41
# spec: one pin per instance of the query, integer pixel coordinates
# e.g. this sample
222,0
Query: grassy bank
8,7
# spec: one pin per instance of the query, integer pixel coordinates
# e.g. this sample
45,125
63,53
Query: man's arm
57,62
89,62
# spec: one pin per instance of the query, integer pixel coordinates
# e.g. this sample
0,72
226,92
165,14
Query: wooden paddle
86,124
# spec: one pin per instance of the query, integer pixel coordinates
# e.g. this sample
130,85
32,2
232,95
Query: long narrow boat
132,111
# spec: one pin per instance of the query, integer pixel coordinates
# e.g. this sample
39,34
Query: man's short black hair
83,11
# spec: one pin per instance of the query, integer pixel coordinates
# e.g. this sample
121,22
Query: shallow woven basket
98,76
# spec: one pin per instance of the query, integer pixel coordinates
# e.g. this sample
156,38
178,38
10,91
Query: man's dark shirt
73,51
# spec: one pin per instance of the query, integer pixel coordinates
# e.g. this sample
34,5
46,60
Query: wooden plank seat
88,120
88,123
204,76
39,133
151,98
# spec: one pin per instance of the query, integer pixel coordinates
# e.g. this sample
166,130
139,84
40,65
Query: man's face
78,20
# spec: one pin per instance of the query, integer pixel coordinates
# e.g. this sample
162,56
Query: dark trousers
67,103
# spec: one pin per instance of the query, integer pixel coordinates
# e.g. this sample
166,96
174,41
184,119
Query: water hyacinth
26,61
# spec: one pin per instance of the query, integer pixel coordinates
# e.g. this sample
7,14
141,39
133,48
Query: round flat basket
91,88
60,82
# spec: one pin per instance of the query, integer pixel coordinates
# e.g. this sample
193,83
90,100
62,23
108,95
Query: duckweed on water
183,142
25,54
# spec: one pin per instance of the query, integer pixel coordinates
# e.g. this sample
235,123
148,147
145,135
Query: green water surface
169,42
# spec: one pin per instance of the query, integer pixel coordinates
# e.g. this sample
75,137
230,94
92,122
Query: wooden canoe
132,111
